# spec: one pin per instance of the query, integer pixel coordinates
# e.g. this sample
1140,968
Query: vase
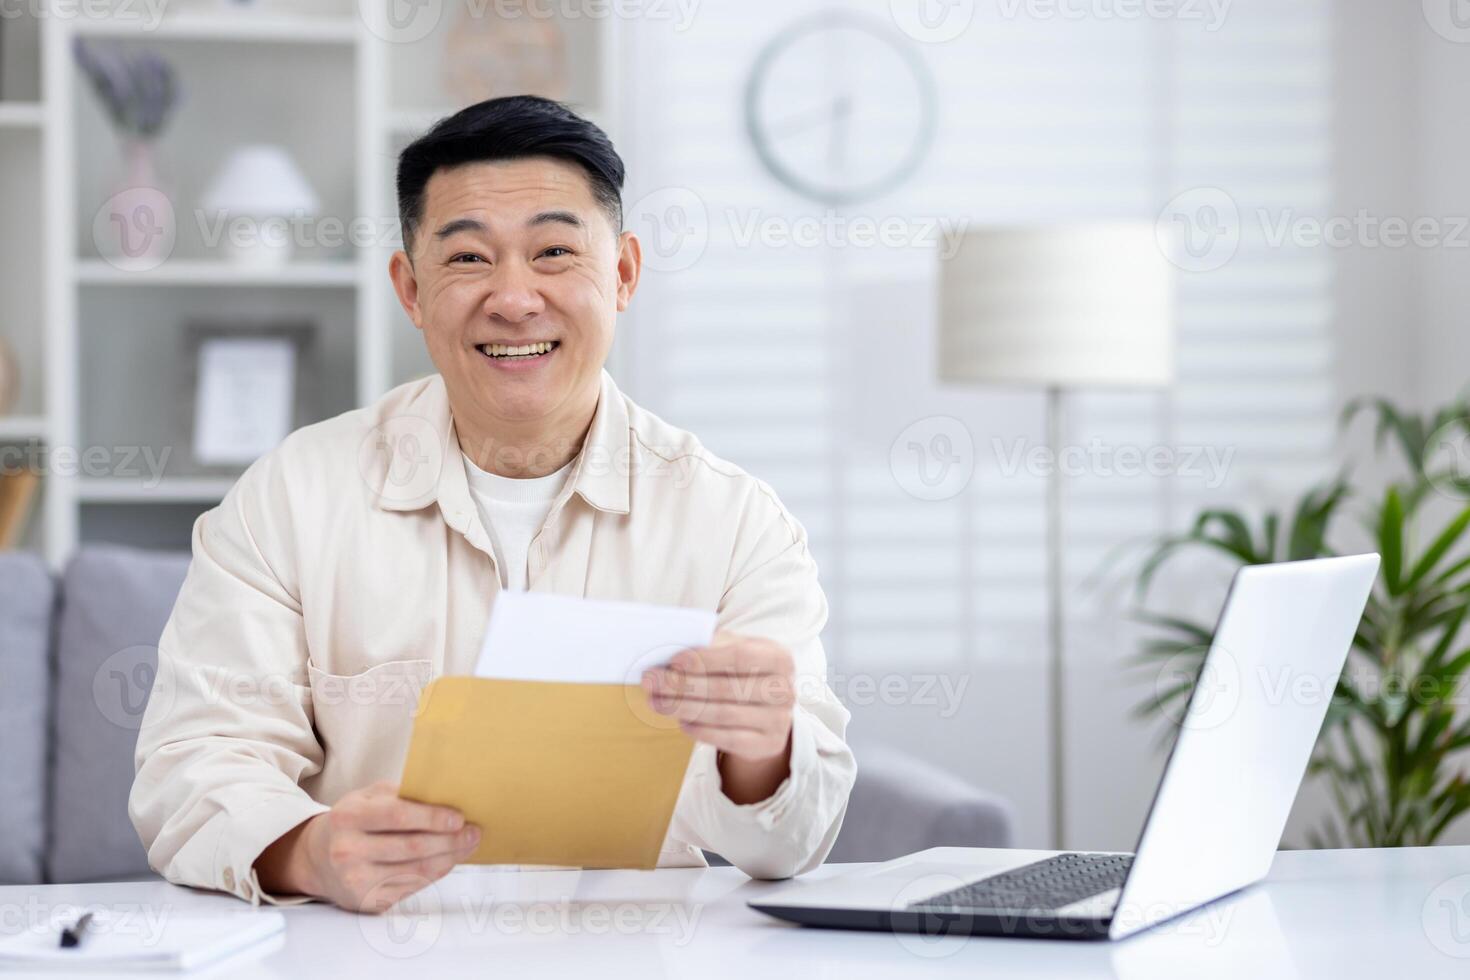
135,228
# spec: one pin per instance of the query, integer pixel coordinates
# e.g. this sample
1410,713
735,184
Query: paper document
553,750
144,938
538,636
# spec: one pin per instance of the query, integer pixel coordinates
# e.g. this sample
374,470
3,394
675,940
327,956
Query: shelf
273,29
331,275
22,427
116,490
21,115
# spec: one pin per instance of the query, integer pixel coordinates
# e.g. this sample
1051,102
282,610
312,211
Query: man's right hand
369,851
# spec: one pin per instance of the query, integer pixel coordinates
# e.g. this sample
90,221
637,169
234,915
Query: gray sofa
76,665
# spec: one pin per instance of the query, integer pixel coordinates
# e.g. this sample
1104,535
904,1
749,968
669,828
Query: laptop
1245,737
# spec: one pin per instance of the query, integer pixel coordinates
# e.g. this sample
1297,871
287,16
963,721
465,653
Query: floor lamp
1059,308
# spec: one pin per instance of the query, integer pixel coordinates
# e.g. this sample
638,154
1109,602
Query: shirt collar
412,457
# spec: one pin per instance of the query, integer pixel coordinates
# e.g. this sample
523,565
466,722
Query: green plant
1390,750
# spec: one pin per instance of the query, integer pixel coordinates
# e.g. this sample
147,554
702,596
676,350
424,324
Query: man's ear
406,285
630,266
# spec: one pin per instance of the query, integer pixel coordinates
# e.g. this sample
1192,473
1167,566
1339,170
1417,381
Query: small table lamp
1057,308
262,184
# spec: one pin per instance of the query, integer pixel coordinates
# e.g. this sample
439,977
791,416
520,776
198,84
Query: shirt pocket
363,722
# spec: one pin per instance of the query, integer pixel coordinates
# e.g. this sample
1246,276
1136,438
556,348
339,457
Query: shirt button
229,878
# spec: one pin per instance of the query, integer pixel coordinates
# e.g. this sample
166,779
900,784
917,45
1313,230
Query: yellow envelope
577,775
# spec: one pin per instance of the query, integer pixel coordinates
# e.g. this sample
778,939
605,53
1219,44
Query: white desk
1386,915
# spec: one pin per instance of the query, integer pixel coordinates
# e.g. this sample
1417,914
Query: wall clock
840,107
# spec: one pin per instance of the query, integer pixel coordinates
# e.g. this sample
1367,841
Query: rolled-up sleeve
774,594
227,735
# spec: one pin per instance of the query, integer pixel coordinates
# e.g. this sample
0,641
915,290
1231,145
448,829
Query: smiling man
361,558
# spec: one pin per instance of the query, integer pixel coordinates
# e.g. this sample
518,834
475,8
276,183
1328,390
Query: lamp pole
1055,677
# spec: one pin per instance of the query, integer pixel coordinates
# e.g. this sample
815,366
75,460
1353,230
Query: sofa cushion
902,803
114,603
27,593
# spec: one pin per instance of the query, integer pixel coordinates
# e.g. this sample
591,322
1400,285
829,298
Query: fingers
677,684
740,656
393,848
747,743
393,883
379,811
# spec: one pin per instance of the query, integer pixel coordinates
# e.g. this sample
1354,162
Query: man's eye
467,256
557,251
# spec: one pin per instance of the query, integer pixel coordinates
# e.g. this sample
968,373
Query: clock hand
841,124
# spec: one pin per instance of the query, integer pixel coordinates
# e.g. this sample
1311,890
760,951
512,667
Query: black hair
509,128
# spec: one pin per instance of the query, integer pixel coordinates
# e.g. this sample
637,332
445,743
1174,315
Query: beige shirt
349,566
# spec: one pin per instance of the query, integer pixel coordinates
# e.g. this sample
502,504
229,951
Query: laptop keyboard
1045,886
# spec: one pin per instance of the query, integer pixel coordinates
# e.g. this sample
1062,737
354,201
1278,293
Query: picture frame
235,400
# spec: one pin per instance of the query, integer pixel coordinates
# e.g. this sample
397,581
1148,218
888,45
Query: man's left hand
737,694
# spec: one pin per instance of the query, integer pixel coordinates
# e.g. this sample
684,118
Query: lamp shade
1072,306
261,181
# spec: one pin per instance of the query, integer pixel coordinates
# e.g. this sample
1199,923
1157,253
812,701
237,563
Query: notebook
143,938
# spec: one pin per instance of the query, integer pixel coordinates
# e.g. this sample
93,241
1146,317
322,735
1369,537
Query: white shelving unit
101,346
22,115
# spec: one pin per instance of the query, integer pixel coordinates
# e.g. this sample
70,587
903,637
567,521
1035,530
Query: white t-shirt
513,512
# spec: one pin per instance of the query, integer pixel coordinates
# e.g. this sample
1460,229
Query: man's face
516,280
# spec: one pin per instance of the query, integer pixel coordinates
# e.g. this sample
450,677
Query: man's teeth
525,350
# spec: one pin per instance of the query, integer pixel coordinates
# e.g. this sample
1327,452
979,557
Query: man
361,558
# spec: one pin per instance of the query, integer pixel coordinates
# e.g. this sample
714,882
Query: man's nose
513,296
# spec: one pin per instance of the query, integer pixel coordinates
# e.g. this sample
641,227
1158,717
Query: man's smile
536,351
